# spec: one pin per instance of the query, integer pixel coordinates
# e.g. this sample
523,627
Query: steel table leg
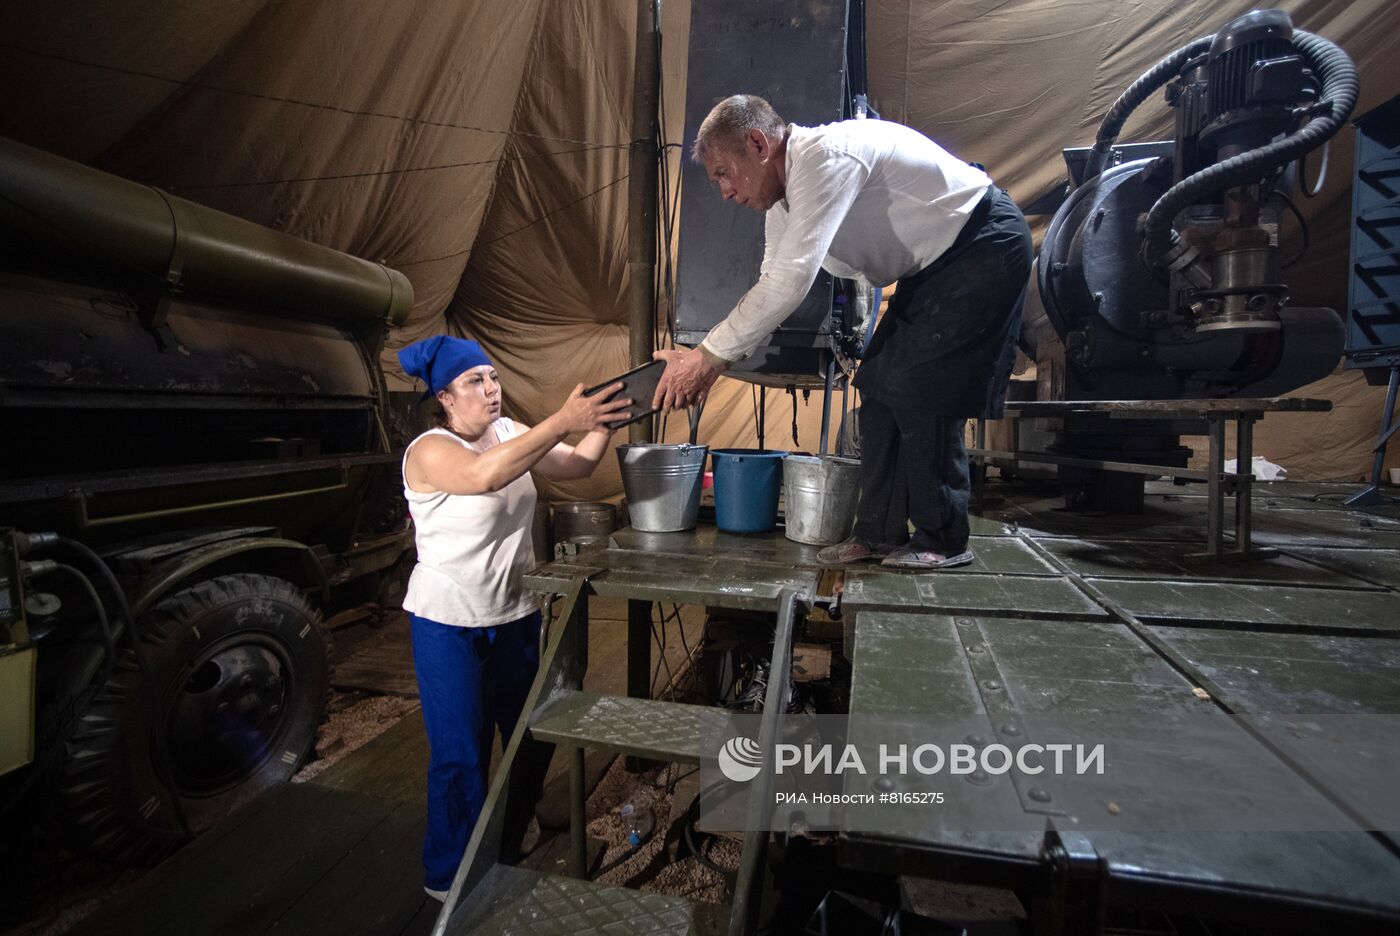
578,818
1371,494
1215,486
826,403
1244,481
638,660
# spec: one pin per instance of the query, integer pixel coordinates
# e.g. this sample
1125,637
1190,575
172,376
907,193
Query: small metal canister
583,522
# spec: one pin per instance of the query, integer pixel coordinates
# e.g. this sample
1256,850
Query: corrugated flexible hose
1137,92
1339,91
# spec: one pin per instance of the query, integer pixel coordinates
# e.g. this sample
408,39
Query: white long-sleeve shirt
865,199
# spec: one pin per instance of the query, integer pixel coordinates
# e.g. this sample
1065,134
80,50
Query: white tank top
472,548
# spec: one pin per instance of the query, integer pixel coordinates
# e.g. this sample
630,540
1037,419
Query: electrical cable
1321,172
58,744
680,629
161,764
678,777
1302,224
661,647
688,827
792,391
689,831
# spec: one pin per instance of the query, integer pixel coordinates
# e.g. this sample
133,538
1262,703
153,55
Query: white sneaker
439,895
908,558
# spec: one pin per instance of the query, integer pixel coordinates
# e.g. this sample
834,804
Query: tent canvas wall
480,146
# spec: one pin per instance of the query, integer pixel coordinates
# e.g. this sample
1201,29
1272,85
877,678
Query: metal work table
1072,613
1214,414
705,567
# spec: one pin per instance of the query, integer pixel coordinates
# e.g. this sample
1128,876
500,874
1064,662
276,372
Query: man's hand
687,380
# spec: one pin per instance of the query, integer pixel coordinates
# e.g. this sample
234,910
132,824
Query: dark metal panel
1271,606
1373,310
1302,673
791,53
1173,560
1052,667
1082,666
710,541
909,663
1381,566
116,482
1298,878
1023,596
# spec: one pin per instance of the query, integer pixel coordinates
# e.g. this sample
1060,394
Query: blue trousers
471,680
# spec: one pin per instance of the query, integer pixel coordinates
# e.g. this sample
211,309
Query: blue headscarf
439,360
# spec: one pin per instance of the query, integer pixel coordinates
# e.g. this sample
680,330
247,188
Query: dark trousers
913,468
471,680
942,354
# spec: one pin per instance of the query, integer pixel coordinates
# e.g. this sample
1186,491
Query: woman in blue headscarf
475,630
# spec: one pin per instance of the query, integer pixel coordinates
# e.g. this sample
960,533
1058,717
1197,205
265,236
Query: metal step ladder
491,896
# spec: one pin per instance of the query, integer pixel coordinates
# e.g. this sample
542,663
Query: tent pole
641,202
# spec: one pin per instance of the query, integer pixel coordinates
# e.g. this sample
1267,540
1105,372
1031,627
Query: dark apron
947,343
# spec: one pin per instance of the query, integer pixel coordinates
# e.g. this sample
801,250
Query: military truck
197,458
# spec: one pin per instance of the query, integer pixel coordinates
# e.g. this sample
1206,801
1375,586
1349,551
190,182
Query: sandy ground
652,866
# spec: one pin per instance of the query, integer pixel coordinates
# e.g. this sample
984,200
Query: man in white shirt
879,202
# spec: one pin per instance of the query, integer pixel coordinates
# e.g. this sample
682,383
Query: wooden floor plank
393,765
372,889
269,855
334,826
421,923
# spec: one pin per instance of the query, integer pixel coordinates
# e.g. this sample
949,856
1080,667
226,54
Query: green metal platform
515,902
1311,631
1070,612
648,728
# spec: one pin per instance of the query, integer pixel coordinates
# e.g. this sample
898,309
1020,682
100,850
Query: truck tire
241,668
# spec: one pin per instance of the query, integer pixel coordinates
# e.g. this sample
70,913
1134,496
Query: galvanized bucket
821,495
662,483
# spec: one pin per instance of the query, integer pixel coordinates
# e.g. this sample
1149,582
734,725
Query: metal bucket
584,522
662,483
821,495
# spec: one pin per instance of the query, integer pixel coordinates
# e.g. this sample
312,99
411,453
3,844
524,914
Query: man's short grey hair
731,119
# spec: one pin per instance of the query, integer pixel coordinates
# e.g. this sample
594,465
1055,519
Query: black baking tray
639,385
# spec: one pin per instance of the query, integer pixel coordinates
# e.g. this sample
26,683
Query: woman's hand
591,413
